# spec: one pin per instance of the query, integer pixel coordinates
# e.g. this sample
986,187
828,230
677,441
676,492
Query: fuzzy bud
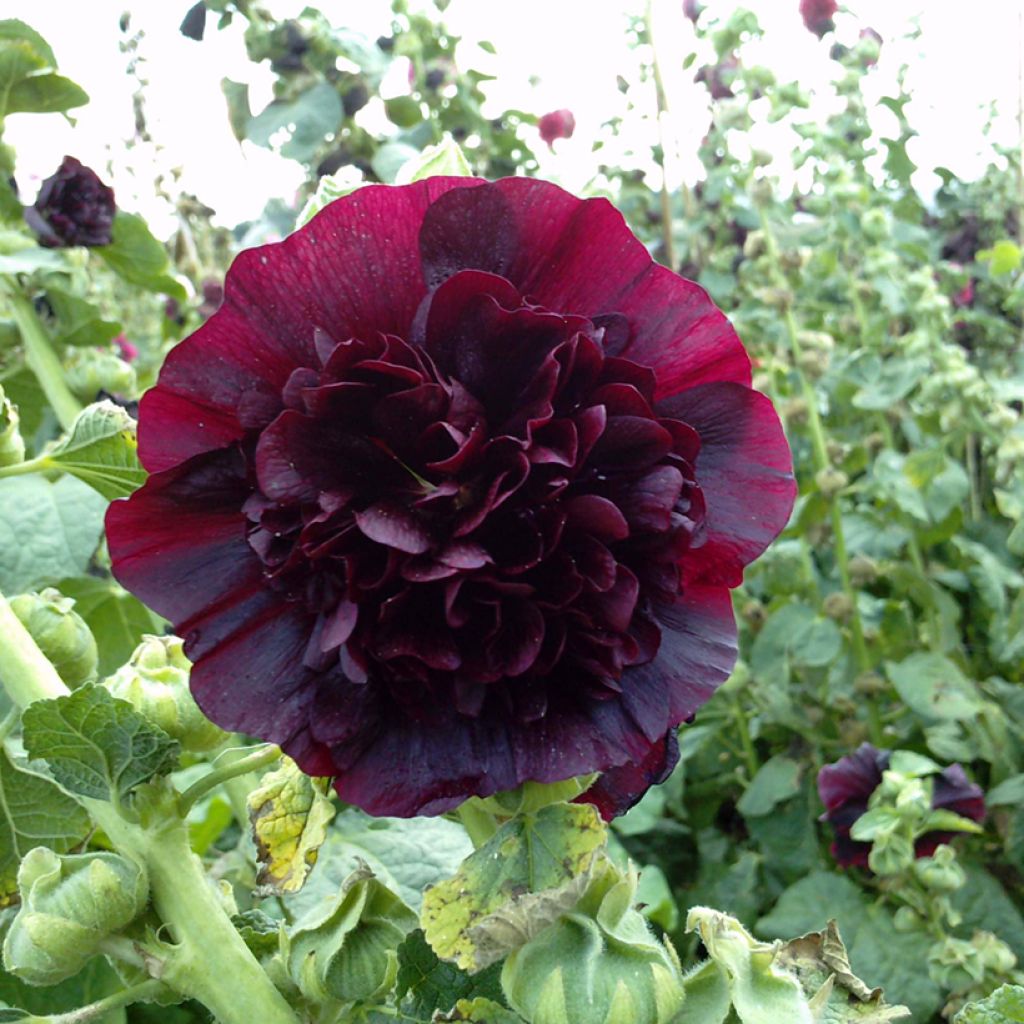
599,963
940,872
955,964
347,949
754,245
831,481
60,633
90,371
995,954
12,447
155,683
863,570
838,606
69,905
870,684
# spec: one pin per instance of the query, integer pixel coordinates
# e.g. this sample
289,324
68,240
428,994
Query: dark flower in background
846,787
193,25
450,493
692,9
213,296
126,349
867,37
559,124
817,15
73,208
718,77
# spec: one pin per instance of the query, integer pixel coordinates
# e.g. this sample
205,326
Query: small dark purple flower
817,15
73,208
692,9
846,787
450,494
559,124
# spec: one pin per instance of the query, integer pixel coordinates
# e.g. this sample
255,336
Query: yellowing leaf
290,813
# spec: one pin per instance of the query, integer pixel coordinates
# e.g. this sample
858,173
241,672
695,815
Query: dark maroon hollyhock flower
450,493
73,208
817,15
213,296
619,789
692,9
559,124
846,786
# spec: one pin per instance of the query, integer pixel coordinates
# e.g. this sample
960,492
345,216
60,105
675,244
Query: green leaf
33,812
80,322
407,854
18,60
28,260
984,904
1009,792
139,258
100,449
112,613
426,983
306,122
403,111
239,112
1004,1006
1003,258
96,980
97,745
532,870
12,30
934,687
481,1011
260,932
289,812
47,531
45,94
776,780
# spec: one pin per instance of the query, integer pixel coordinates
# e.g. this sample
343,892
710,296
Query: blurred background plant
886,322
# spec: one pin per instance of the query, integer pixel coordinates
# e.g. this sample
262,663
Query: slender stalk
819,445
749,753
259,758
136,994
43,361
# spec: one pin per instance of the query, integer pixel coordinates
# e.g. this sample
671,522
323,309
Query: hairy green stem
209,962
43,361
260,758
819,445
136,994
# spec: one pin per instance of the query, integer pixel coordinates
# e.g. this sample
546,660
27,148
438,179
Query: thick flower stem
210,961
819,445
43,361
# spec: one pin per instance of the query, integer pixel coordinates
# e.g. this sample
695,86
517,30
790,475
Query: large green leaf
79,322
530,872
45,94
95,744
47,531
139,258
33,812
13,30
100,449
1004,1006
306,121
934,687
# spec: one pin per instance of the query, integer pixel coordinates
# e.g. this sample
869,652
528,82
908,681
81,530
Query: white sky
551,54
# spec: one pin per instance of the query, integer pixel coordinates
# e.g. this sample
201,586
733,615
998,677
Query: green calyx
60,633
69,905
155,683
90,371
598,963
12,447
348,950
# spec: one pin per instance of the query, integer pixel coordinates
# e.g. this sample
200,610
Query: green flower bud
599,963
89,371
838,606
831,481
61,634
348,950
955,964
12,447
155,683
907,920
892,853
940,872
995,954
69,905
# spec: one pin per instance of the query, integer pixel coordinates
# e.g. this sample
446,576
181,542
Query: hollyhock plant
559,124
450,494
845,789
73,208
817,15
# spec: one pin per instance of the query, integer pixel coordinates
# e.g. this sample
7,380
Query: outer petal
745,470
352,271
616,791
578,256
852,778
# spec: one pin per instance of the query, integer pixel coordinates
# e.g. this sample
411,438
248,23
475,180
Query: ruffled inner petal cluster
455,494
